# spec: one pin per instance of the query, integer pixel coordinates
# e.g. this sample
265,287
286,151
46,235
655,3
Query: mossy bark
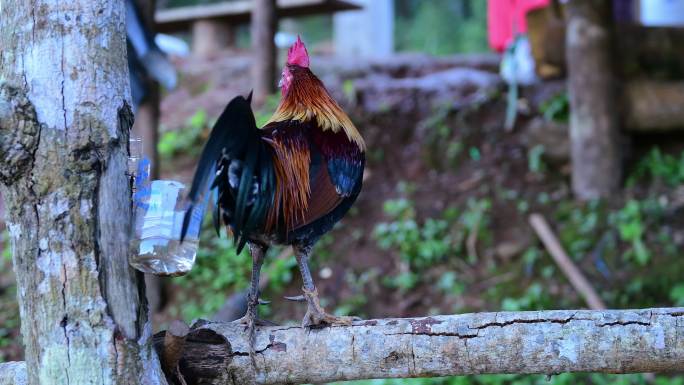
64,126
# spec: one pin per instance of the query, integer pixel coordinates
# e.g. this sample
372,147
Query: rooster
286,183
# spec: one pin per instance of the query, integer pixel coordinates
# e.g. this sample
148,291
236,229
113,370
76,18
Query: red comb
297,54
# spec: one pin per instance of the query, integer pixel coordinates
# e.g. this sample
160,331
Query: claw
263,302
296,298
317,317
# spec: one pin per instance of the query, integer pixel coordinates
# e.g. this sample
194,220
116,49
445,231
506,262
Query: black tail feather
216,215
186,222
235,137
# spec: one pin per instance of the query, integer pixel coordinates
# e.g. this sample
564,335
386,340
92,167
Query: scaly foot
316,315
250,322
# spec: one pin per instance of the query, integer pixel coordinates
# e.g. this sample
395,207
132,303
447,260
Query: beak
280,83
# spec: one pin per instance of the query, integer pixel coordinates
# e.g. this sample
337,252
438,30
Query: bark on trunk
64,126
594,125
264,24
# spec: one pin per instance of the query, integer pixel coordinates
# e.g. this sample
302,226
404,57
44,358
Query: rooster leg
250,319
315,314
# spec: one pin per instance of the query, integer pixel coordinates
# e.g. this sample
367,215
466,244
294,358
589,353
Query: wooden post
210,36
263,30
594,124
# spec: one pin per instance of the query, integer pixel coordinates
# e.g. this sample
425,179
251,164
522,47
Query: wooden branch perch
628,341
545,342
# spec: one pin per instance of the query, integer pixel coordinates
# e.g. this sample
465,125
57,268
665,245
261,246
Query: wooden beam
235,12
654,106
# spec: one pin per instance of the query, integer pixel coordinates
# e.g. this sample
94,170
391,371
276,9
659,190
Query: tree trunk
594,125
264,24
64,128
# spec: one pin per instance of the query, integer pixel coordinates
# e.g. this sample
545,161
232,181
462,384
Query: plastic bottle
159,212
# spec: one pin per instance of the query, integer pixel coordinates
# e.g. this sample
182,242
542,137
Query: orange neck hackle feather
307,100
292,182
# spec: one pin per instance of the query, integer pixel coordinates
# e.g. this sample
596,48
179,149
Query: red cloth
506,16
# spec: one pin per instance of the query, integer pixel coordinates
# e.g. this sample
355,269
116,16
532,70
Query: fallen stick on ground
574,275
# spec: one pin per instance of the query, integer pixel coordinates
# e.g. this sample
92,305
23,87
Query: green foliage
9,312
659,167
677,295
219,272
475,154
449,284
441,27
579,226
630,223
185,140
418,246
349,90
264,113
534,298
189,139
353,304
535,163
556,108
6,249
422,244
315,28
